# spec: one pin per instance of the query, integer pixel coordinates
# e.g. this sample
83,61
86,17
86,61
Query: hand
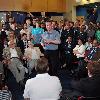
48,41
24,58
75,52
86,59
8,61
28,58
4,61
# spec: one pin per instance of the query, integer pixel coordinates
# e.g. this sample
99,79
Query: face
95,43
34,21
30,45
67,27
11,35
42,25
10,20
79,42
37,24
28,22
48,26
12,44
76,24
71,24
25,37
53,24
69,39
89,39
3,27
25,26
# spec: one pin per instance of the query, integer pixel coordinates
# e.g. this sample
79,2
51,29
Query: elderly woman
32,54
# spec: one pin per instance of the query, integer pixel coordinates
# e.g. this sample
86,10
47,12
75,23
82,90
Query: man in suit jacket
68,52
89,86
12,57
94,53
23,43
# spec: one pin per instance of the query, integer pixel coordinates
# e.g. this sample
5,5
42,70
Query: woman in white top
25,30
79,51
32,54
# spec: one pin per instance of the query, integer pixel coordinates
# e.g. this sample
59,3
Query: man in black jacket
23,43
90,86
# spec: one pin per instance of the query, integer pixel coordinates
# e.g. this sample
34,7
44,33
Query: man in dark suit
89,86
23,43
68,51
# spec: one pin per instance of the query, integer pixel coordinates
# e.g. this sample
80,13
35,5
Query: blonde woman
32,54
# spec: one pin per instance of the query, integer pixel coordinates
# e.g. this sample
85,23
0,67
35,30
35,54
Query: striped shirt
5,95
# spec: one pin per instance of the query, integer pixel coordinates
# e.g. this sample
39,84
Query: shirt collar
42,75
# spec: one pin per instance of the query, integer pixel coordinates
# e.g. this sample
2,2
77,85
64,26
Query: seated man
12,57
43,86
89,86
94,52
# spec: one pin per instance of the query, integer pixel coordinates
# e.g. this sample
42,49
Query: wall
33,5
71,8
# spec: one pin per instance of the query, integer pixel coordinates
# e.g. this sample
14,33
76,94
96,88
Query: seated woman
32,54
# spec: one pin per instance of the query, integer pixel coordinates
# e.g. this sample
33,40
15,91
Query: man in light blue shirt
50,42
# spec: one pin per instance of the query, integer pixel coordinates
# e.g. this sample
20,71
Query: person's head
11,44
24,36
42,66
34,21
30,44
54,24
38,24
71,24
25,26
83,27
76,24
49,25
60,25
42,25
93,67
80,41
3,26
89,39
69,39
28,21
95,43
11,20
11,35
90,26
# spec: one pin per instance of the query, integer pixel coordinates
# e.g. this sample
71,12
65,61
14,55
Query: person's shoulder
29,81
54,31
6,49
54,78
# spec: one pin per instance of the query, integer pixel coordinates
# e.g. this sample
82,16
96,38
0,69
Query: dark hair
94,67
82,40
42,65
24,34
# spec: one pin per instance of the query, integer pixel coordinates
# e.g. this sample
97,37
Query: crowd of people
65,44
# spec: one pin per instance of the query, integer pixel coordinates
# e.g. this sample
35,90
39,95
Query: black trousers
53,59
69,64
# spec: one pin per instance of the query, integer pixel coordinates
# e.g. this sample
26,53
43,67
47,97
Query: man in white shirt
43,86
12,57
